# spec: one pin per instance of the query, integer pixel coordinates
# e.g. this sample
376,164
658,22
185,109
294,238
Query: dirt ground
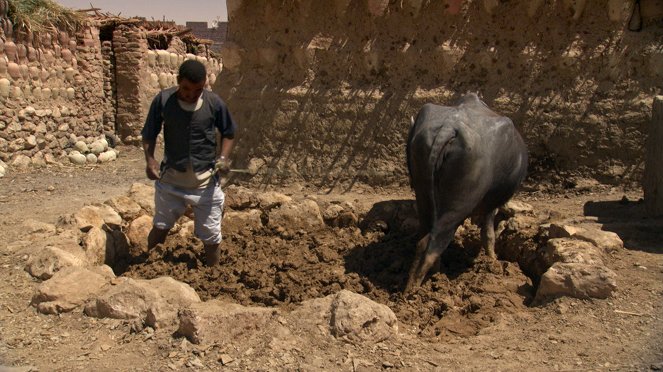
474,314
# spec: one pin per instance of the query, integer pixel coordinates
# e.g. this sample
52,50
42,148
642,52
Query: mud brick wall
324,91
51,94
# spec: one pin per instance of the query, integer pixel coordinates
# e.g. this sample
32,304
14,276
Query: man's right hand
152,169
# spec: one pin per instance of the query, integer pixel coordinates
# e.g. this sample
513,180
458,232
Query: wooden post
653,177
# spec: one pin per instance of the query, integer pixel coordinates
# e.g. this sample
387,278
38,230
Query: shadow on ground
628,219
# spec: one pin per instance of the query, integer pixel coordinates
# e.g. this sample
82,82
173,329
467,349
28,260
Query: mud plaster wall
324,91
51,93
142,73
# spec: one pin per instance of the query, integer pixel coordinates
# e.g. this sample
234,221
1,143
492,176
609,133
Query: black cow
464,160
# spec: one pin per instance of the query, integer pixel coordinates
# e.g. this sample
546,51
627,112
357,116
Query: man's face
188,91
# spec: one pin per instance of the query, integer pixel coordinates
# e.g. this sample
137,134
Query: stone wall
51,94
324,91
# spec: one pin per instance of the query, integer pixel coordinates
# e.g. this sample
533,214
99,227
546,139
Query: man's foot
212,255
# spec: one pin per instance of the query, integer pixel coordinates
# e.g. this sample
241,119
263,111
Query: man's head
191,79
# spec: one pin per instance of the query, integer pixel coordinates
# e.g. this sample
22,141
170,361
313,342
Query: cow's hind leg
488,233
426,255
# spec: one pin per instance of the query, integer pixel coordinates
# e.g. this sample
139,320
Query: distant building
216,34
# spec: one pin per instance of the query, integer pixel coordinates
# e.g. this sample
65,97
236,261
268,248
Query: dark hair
193,71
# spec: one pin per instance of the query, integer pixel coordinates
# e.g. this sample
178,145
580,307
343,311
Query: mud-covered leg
488,233
424,259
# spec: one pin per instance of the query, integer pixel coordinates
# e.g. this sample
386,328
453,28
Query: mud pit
282,265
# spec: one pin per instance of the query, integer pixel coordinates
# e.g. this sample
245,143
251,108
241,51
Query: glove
222,165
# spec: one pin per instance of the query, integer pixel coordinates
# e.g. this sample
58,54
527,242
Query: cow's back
481,162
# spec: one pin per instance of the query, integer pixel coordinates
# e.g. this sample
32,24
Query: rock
30,142
97,147
242,222
108,214
238,197
336,216
127,208
98,246
578,280
77,158
49,260
567,250
332,212
143,195
155,301
107,156
513,207
91,158
21,162
295,216
269,200
562,231
88,217
137,233
70,288
218,322
37,227
39,160
606,240
3,171
358,319
81,147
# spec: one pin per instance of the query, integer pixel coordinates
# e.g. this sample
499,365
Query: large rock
218,322
295,216
125,206
49,260
143,195
70,288
345,315
271,199
21,162
155,301
571,251
109,215
357,318
578,280
37,227
242,222
137,233
606,240
562,231
238,197
88,217
99,247
514,207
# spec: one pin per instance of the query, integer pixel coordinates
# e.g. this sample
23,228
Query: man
189,173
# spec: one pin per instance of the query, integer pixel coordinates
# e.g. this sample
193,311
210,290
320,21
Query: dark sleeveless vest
188,136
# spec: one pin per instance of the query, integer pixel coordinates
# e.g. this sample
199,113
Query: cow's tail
407,147
436,157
